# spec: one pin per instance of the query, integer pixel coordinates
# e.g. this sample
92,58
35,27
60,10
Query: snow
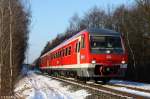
140,93
131,84
139,85
34,86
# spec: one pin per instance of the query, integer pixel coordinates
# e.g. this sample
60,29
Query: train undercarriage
97,73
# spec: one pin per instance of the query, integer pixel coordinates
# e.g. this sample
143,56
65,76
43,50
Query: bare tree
14,21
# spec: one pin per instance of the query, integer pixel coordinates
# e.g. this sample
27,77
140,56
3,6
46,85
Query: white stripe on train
71,66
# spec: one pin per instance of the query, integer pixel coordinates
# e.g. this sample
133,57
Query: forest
14,22
133,21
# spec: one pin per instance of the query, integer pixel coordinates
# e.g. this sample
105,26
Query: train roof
99,31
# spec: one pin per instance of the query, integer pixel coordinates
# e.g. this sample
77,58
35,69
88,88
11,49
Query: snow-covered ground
131,84
138,85
34,86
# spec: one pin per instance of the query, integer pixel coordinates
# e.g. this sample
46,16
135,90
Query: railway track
109,89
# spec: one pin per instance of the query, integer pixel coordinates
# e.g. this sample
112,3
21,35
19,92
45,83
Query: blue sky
50,17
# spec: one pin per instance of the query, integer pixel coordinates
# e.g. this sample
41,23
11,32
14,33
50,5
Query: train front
108,54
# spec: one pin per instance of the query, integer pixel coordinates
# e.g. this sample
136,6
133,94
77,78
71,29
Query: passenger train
98,54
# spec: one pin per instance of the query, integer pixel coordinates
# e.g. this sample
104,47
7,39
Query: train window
82,42
78,46
52,56
59,54
63,52
66,52
56,54
69,51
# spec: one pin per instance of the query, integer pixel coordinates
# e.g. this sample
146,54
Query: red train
98,54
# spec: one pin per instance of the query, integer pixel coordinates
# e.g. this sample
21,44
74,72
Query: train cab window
106,44
82,42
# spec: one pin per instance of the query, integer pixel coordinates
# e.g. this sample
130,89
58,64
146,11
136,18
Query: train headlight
123,62
93,61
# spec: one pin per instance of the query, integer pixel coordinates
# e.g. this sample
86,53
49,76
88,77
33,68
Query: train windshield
106,44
